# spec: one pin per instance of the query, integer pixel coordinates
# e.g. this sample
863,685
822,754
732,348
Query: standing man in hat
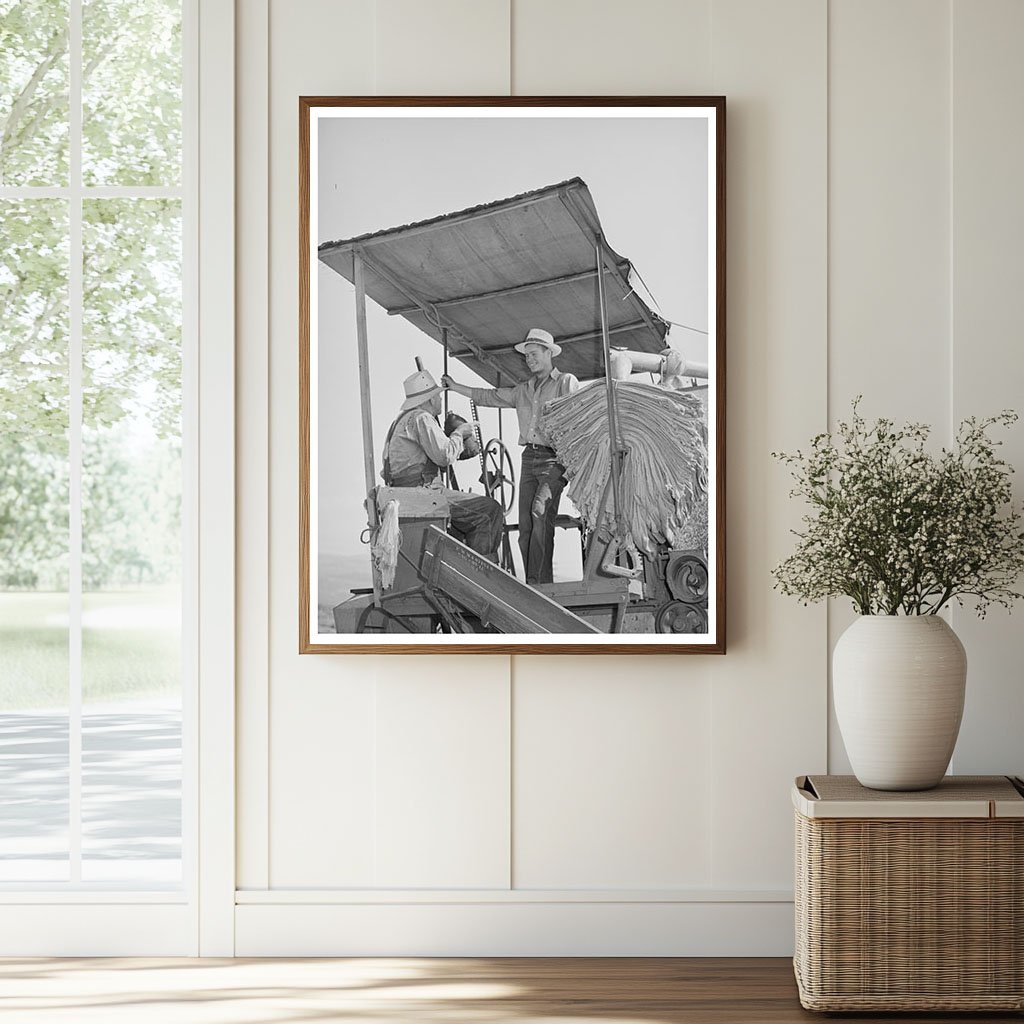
417,451
542,477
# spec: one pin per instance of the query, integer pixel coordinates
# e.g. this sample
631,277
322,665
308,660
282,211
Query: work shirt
528,399
418,440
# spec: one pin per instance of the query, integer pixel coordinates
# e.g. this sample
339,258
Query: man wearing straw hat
417,450
542,477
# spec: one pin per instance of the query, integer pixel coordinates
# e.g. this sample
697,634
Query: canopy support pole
364,401
449,473
615,451
444,342
581,218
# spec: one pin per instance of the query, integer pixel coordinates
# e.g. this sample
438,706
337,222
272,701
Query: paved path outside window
131,794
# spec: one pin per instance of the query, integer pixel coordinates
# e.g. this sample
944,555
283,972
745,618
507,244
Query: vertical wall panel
598,800
442,776
888,224
988,314
323,811
253,465
769,691
608,48
889,209
442,796
321,709
322,775
442,48
611,785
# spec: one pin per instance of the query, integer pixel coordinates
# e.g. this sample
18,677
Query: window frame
96,918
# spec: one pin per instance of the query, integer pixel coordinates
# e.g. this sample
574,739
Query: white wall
616,805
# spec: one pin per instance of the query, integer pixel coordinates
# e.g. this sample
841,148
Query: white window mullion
95,191
34,192
75,299
190,454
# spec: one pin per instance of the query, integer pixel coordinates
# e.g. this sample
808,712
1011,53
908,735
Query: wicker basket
910,901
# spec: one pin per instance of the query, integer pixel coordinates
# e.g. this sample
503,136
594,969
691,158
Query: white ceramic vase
898,684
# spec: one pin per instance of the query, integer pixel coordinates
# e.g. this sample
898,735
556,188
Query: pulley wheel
687,578
679,617
499,478
377,620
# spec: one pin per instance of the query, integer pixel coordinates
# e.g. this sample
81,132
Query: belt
540,448
415,476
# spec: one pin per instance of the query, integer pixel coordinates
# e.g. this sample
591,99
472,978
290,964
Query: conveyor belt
490,593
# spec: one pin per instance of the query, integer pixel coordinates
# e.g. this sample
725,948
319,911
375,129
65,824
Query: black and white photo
512,363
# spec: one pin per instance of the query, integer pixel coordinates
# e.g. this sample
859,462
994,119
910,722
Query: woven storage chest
910,901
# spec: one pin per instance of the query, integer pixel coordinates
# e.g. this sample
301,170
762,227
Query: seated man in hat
542,477
417,452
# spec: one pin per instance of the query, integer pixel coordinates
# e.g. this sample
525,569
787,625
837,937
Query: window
95,463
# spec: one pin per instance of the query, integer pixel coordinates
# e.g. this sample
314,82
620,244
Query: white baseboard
521,928
97,929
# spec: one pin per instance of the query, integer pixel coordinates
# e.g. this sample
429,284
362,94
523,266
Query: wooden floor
382,991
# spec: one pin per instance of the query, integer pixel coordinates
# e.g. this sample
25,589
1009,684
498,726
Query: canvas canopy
489,273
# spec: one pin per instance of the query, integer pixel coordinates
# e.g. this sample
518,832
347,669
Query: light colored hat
418,388
538,336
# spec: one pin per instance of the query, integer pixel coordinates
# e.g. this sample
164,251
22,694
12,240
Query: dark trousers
477,521
541,482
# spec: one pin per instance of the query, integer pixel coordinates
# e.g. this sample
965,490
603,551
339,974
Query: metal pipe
669,362
572,339
444,342
449,471
609,388
364,401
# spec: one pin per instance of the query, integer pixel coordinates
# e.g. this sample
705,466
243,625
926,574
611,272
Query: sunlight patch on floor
189,991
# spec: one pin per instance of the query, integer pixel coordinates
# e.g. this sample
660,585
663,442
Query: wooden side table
910,901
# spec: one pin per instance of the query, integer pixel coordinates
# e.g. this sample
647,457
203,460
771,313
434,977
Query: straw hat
538,336
418,388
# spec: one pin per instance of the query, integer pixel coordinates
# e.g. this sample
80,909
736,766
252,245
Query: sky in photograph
648,179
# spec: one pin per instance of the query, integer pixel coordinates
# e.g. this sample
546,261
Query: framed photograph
512,372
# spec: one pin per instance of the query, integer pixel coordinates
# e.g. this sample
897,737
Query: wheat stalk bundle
664,476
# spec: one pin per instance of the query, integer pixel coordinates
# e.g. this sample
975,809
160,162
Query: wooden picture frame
471,222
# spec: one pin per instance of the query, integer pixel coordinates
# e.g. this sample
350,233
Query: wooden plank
498,598
414,502
498,293
608,589
700,990
445,221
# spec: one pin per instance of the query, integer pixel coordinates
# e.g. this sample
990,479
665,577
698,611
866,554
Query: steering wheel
499,478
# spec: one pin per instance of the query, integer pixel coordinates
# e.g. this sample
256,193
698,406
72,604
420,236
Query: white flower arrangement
897,529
